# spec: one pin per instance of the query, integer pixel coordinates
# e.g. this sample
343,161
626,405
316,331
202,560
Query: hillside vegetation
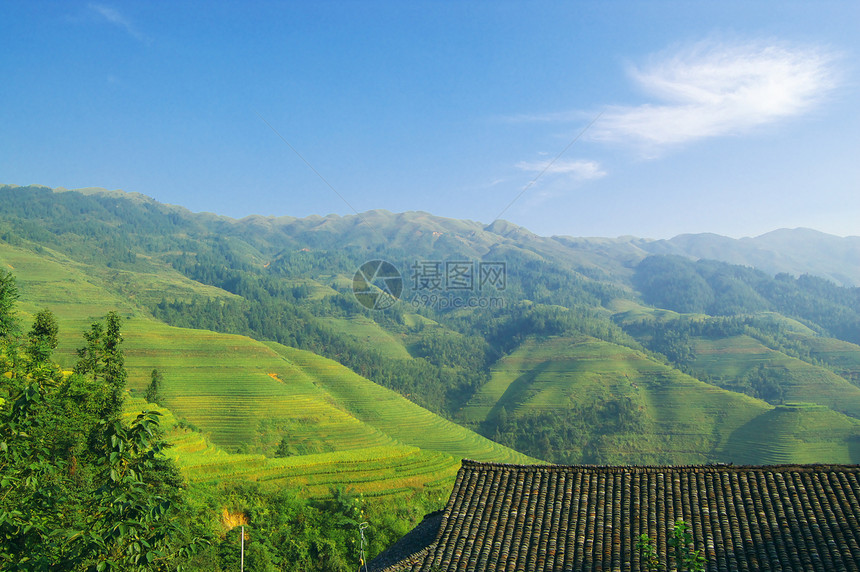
245,397
590,350
91,477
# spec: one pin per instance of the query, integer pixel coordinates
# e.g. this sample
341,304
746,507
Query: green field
843,357
732,358
244,396
393,414
371,471
369,332
797,433
688,420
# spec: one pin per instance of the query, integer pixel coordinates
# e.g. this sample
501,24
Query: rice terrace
429,287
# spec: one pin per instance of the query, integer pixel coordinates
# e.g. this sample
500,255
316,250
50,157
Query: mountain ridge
794,251
647,311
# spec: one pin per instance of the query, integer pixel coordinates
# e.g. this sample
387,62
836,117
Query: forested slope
588,350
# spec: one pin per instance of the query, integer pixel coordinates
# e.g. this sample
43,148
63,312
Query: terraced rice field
234,388
542,374
55,282
686,421
369,332
392,414
372,471
798,433
844,357
343,430
738,356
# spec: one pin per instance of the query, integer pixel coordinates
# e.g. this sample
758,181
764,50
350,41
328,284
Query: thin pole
361,561
242,554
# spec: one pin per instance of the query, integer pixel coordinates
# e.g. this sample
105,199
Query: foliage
42,338
682,556
102,360
672,282
153,390
82,490
285,532
721,289
8,296
572,436
648,553
133,521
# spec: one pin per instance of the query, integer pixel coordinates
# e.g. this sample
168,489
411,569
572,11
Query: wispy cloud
714,89
578,169
116,18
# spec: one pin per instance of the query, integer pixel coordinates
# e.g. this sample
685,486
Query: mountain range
567,349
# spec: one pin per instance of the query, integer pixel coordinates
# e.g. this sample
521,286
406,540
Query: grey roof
541,518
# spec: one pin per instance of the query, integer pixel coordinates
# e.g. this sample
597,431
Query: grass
797,433
735,357
369,332
685,420
244,395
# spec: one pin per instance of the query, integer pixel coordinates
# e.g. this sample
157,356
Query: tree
285,448
79,488
114,361
102,359
8,297
133,522
153,390
686,558
42,338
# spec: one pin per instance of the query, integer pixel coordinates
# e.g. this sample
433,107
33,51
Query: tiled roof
541,518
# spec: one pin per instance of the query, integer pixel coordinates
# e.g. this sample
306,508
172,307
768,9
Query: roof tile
546,518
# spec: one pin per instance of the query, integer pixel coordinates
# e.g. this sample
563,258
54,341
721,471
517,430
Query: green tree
153,390
80,489
682,553
102,359
42,338
285,448
133,522
8,297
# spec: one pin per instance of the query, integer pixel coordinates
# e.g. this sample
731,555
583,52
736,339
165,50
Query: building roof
540,518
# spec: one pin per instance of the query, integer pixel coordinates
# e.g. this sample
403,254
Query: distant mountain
793,251
591,350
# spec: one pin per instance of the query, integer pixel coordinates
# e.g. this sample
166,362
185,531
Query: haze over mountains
596,350
793,251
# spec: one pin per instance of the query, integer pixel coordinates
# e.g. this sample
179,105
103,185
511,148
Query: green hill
843,357
365,330
726,360
796,433
392,413
245,396
670,417
591,349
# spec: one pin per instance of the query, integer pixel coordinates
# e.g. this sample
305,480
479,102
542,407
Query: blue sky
579,118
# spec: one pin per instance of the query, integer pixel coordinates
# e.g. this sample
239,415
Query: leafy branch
681,551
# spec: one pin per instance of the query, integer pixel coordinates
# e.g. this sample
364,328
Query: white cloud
116,18
579,169
712,89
